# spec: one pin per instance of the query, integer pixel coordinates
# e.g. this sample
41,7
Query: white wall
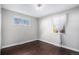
46,31
0,26
71,37
13,34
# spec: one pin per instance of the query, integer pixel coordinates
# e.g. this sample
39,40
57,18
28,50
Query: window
22,21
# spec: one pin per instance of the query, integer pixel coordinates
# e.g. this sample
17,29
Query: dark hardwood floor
37,48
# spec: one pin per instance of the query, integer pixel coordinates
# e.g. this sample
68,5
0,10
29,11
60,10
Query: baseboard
58,45
17,44
76,50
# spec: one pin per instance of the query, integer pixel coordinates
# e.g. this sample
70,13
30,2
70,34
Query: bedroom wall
71,36
0,26
46,31
13,34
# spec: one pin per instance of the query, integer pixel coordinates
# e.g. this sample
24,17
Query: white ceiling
30,9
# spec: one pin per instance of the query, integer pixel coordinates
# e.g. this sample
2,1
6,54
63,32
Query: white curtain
59,21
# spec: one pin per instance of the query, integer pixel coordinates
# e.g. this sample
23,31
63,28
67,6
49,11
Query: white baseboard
70,48
17,44
58,45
